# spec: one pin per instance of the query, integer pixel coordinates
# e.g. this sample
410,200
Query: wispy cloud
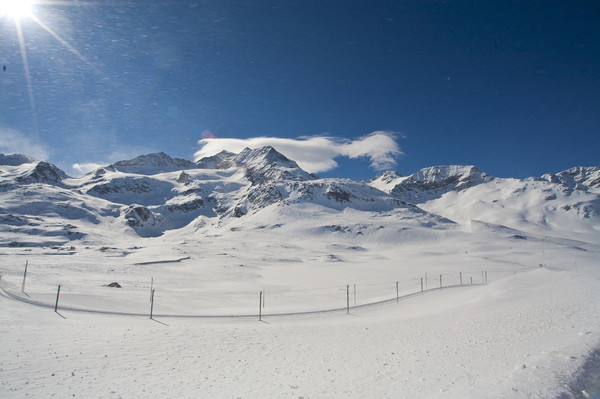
126,152
83,168
315,154
12,141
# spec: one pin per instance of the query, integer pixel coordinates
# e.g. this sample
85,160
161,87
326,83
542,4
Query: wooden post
260,304
57,295
471,280
461,279
151,304
24,277
440,281
397,295
348,299
486,277
421,285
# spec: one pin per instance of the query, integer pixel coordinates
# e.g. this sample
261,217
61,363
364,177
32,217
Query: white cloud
315,154
126,152
12,141
83,168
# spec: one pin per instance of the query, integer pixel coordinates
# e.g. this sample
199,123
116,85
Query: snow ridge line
15,297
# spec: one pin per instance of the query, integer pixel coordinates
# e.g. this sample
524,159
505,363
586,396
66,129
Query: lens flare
16,8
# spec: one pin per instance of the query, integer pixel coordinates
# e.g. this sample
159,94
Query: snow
519,336
516,316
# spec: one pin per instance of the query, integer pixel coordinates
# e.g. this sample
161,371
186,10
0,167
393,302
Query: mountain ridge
154,194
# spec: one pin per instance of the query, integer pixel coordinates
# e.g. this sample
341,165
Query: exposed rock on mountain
266,164
43,172
430,183
184,178
576,178
222,160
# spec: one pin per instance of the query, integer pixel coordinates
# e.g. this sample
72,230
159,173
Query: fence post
440,281
397,296
151,304
24,277
260,304
57,296
348,299
486,277
461,279
471,280
421,285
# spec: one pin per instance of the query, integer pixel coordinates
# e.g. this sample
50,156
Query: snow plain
522,335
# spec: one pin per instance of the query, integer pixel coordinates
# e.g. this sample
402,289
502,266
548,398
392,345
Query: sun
19,9
16,8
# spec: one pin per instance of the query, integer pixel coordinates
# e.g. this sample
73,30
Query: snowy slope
430,183
532,205
211,236
563,204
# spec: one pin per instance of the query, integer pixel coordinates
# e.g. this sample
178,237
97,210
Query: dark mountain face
43,172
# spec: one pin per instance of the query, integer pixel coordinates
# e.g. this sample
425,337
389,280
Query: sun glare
16,8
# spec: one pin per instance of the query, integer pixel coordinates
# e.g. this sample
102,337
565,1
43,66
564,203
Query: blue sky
510,86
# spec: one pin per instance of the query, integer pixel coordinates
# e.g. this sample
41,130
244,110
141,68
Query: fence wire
164,298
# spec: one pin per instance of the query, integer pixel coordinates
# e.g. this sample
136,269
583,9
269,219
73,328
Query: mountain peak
439,174
151,164
266,163
577,176
16,159
266,154
435,181
222,160
43,172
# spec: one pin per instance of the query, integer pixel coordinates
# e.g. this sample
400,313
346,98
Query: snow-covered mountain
151,164
430,183
154,194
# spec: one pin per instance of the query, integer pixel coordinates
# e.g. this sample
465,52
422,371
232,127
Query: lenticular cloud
315,154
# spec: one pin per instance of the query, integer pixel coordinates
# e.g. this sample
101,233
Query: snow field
519,337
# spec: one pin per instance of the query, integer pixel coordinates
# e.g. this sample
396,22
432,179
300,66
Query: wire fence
155,298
